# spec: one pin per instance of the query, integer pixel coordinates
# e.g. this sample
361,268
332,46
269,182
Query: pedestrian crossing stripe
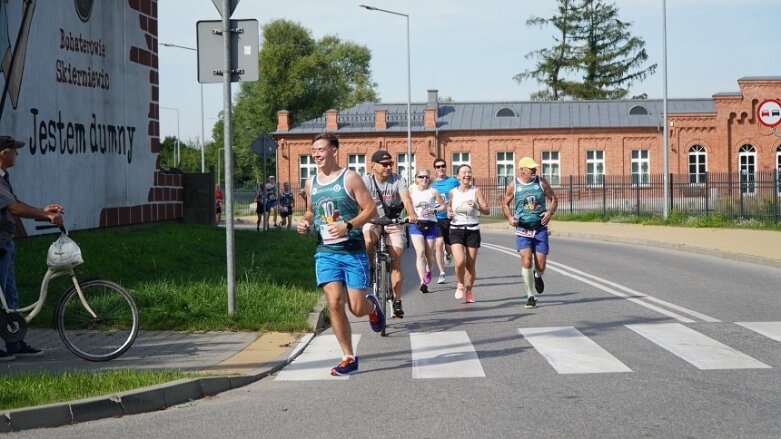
451,354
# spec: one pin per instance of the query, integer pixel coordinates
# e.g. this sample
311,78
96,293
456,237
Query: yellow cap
527,162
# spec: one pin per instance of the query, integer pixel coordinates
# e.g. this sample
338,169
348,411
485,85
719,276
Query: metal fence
734,196
738,197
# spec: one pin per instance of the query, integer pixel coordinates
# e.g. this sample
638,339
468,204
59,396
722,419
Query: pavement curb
153,398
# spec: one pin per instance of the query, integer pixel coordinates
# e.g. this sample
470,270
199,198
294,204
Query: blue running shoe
376,317
347,366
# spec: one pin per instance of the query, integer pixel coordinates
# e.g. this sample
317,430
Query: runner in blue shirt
443,184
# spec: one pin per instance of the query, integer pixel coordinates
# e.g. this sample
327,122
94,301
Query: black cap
380,156
7,142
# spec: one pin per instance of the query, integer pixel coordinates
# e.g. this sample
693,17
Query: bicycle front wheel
107,333
384,292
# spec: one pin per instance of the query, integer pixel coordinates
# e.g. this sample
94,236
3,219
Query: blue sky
470,50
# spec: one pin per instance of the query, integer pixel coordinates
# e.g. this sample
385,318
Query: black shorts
285,211
462,235
443,229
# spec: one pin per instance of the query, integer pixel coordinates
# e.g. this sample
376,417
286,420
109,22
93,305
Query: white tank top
423,200
463,214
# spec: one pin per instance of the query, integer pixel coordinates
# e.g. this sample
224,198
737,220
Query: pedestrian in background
286,205
529,204
466,201
218,198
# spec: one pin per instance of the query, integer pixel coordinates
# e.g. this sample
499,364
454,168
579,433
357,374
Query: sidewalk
240,358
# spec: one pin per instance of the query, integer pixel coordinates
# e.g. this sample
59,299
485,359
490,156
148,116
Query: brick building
591,139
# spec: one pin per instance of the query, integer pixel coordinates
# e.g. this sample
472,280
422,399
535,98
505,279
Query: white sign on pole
769,113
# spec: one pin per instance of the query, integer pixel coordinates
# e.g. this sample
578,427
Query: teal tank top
331,203
529,204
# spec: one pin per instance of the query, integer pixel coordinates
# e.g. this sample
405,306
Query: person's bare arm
554,201
507,204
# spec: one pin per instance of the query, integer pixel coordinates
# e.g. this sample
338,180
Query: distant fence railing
734,196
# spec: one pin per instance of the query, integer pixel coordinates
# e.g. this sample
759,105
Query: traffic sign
245,45
264,145
219,5
769,113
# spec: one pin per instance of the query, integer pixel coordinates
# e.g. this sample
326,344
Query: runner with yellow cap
529,204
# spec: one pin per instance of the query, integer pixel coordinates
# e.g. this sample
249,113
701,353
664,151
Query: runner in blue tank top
339,206
443,184
527,209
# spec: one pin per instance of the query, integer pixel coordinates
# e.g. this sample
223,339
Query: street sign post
245,45
264,146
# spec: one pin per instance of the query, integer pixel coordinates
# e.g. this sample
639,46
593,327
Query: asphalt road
626,341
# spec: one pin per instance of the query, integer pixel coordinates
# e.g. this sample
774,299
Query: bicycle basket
64,253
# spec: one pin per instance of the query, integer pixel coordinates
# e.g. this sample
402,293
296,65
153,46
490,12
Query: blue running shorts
538,243
352,269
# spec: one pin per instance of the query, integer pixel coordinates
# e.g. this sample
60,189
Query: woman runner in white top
464,202
426,201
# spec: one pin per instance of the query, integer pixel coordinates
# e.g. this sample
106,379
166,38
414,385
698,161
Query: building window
595,167
638,110
402,167
747,157
357,163
505,167
459,158
506,112
551,167
640,167
306,168
698,169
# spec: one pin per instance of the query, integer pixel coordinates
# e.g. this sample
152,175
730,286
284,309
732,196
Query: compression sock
528,280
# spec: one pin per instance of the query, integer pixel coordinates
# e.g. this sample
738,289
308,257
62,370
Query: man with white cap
529,204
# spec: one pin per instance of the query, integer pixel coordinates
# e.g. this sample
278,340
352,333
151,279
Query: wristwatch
349,226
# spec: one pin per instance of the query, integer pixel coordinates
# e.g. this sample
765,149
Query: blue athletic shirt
443,187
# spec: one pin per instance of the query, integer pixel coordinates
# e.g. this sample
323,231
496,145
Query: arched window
638,110
747,158
698,164
506,112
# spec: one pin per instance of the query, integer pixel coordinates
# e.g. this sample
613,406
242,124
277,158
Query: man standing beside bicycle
11,208
339,206
393,189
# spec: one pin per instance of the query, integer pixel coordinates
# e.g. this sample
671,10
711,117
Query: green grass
44,388
177,275
675,219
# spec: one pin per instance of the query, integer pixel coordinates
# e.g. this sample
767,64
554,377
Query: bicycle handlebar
50,226
385,221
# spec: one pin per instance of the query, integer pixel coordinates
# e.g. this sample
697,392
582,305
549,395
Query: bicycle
382,260
97,319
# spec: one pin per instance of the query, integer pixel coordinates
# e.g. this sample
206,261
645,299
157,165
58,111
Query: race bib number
526,233
329,239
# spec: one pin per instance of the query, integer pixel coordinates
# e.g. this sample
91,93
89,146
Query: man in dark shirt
11,208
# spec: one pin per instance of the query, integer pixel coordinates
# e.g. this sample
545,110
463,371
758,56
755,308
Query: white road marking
697,349
447,354
570,352
768,329
316,361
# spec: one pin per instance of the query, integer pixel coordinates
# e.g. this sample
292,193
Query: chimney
381,119
283,120
330,120
431,110
433,99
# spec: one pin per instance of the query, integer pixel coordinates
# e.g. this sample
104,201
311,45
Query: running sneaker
423,288
470,298
376,317
459,291
539,284
397,311
5,356
448,259
441,278
427,277
531,303
347,366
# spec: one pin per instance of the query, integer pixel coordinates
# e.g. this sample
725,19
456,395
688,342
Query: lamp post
409,92
665,142
219,161
177,155
203,138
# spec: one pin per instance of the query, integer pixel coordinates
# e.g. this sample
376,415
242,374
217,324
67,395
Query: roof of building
509,115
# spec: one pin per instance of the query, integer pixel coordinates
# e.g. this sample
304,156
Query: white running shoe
441,278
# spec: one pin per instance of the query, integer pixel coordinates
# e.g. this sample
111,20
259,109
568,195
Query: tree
298,74
593,44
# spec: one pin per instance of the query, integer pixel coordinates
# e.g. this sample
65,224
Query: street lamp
178,154
409,93
203,138
665,142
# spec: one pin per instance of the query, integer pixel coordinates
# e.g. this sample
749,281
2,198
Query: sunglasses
386,165
425,177
440,166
